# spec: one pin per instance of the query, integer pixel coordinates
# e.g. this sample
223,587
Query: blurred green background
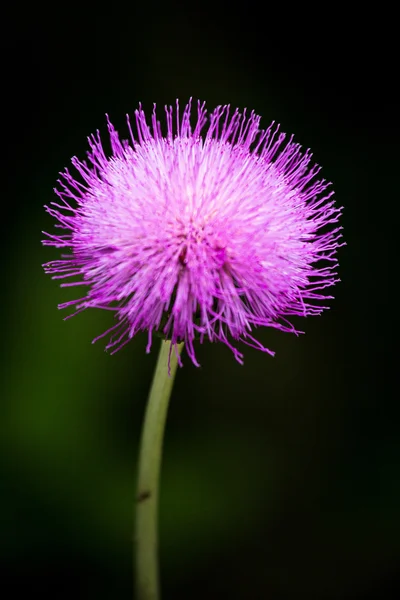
280,478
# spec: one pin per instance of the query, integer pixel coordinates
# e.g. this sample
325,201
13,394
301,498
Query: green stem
147,586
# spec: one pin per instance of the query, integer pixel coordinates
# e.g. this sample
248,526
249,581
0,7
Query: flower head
197,236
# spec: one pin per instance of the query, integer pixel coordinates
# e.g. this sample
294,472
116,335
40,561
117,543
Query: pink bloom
197,237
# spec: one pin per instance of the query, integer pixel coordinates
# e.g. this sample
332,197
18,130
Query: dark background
280,478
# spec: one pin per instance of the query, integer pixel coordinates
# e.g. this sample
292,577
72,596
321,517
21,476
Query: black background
281,477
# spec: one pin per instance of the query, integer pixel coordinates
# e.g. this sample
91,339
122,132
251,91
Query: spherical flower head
197,236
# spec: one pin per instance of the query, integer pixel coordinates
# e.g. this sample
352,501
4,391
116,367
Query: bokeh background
280,478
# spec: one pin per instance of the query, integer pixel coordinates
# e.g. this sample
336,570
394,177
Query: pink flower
197,236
